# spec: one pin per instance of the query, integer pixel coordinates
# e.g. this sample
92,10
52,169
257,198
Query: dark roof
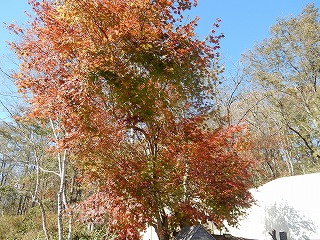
229,237
194,233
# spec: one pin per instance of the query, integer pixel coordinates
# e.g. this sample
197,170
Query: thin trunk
70,230
306,143
59,213
19,211
3,175
185,180
25,204
62,175
73,198
273,234
61,197
35,197
289,163
44,221
36,189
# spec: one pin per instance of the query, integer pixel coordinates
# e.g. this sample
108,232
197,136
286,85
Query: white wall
150,234
290,204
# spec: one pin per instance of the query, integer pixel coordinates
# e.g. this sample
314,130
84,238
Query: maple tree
131,85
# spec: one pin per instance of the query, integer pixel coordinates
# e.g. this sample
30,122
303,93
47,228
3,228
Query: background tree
25,150
285,71
132,86
29,176
238,103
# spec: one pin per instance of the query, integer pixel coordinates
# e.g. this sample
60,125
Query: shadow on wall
284,218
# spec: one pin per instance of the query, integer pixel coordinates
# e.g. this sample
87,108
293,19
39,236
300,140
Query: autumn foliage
193,175
130,83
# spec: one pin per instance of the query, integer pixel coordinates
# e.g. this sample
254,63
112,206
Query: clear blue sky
10,11
244,22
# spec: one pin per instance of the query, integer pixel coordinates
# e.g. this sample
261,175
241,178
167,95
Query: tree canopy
131,86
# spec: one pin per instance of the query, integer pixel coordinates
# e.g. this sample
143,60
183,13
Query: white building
290,204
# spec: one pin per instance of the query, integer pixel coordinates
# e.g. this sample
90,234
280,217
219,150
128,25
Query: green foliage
81,232
285,71
24,227
29,227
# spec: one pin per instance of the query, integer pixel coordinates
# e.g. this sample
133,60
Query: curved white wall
290,204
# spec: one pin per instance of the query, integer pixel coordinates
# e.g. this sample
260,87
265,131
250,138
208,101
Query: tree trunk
19,210
61,157
44,221
36,199
25,204
61,196
70,226
162,228
59,213
273,234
